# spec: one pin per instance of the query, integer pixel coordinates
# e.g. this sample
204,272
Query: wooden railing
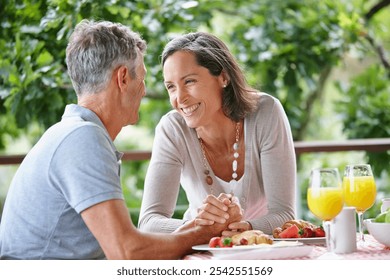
368,145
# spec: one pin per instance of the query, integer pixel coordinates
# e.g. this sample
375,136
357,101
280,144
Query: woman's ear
224,79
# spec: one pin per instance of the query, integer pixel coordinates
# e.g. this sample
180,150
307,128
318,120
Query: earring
224,86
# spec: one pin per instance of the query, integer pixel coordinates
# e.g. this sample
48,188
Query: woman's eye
190,81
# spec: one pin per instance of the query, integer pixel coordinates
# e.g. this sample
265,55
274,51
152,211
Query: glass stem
360,218
326,225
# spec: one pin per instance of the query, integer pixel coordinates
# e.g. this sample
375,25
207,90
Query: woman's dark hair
238,99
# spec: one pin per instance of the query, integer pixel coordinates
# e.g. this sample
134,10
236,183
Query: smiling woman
187,82
224,142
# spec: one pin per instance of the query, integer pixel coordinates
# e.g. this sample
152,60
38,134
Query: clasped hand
222,211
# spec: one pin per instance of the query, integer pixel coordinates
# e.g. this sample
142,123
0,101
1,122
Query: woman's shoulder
173,123
269,112
267,99
266,104
172,118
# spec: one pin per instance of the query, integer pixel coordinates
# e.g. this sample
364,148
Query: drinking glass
325,197
359,190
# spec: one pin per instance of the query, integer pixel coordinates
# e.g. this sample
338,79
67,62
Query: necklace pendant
234,166
209,180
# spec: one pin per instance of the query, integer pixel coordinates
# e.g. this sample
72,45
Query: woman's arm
278,169
162,181
161,189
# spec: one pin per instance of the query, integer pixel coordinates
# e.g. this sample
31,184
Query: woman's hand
214,210
235,211
236,225
224,210
218,212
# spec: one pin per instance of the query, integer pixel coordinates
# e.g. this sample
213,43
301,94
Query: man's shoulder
71,136
69,125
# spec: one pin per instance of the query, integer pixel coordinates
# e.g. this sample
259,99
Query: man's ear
123,78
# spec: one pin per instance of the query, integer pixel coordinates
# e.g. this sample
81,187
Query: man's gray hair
95,49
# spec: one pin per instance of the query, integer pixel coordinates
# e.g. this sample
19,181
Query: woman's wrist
250,225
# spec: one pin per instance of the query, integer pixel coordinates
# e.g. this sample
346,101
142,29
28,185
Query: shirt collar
74,110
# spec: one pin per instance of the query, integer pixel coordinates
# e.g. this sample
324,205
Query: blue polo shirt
73,166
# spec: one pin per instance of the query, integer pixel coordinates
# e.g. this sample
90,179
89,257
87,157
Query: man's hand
236,227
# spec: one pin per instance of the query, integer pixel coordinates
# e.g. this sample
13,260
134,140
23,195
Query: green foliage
287,48
34,85
134,176
290,47
32,74
369,117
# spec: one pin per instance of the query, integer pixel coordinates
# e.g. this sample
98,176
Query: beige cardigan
268,195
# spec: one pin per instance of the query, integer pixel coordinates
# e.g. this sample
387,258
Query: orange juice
325,203
359,191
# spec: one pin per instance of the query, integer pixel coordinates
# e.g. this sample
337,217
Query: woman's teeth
190,109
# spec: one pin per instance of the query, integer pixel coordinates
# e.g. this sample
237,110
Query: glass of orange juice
359,190
325,197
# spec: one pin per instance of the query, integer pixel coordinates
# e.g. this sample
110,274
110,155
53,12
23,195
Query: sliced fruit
290,232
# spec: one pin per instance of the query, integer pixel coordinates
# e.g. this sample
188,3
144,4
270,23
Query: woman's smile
189,110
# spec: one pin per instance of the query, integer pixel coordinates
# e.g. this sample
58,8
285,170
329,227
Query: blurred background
327,61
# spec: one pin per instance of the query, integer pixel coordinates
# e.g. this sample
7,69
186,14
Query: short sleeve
85,168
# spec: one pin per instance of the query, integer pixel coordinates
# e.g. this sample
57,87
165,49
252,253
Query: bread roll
251,237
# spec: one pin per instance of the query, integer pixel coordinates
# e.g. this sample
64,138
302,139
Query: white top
234,187
269,184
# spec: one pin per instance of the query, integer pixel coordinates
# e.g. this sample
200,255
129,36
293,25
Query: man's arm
111,224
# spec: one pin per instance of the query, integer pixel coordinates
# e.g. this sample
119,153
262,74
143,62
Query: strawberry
244,241
225,242
306,232
319,232
290,232
214,242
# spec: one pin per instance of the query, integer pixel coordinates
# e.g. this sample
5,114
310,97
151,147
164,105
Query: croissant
276,232
251,237
301,224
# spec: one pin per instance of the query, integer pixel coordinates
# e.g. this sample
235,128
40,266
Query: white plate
278,250
309,241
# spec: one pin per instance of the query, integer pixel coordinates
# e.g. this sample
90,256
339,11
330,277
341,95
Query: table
372,250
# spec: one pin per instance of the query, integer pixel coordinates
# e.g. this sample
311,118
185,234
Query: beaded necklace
206,171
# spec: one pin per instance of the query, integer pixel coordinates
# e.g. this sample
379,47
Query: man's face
136,92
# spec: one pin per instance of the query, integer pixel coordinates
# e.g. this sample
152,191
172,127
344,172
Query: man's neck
99,105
